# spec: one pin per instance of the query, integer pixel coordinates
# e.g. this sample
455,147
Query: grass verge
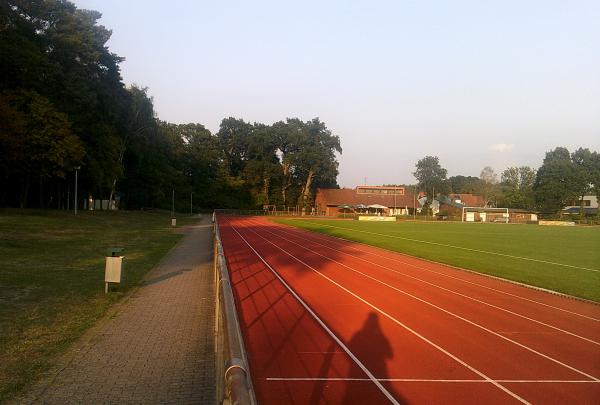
563,259
51,279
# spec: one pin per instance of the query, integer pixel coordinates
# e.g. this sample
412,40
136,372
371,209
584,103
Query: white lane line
414,332
443,310
349,242
459,247
440,287
325,327
431,380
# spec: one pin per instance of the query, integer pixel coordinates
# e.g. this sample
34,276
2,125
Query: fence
241,212
234,385
291,212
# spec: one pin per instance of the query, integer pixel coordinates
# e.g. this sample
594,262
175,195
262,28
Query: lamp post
173,219
75,201
432,201
191,203
395,191
415,204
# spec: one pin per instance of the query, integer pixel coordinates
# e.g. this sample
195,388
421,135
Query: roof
442,199
469,200
335,196
502,209
575,210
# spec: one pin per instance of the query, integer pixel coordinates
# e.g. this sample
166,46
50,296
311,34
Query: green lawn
564,259
51,279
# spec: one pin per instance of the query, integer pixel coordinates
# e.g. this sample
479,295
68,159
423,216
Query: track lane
427,388
282,339
570,376
562,347
368,283
345,348
551,306
405,270
430,360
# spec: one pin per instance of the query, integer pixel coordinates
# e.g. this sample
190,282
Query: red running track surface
331,321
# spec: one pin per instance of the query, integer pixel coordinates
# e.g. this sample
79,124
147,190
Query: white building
589,201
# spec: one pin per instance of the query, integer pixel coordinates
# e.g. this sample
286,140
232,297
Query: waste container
114,252
113,271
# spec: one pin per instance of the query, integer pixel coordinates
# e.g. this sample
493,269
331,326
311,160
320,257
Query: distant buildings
382,200
392,200
454,203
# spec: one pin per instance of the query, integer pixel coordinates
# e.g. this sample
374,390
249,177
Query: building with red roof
468,200
389,200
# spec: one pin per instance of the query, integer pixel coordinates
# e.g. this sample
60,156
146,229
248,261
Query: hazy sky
474,82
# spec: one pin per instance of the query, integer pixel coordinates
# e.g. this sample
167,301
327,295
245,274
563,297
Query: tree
42,144
430,175
59,52
465,184
517,183
488,175
263,167
315,158
489,189
596,174
586,171
556,181
287,135
233,139
63,104
306,152
142,124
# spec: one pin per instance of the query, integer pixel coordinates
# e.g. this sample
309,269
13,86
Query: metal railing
241,212
278,213
234,385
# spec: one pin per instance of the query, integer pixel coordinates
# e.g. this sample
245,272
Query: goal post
482,214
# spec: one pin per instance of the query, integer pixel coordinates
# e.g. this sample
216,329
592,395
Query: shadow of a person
373,349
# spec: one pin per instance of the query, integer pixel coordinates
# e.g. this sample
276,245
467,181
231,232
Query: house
502,215
448,206
590,206
469,200
454,203
386,200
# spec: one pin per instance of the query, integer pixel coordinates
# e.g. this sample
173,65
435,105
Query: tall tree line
563,179
63,105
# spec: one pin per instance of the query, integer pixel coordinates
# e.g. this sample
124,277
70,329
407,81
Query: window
380,190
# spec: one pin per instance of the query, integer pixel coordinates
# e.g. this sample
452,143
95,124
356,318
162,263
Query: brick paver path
158,347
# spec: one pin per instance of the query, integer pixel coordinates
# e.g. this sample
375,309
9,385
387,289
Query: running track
331,321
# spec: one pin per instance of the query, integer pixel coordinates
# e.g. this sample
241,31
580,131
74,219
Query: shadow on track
373,349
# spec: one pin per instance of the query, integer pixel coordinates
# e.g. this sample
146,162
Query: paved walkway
158,347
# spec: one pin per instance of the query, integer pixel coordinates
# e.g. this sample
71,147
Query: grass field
563,259
51,279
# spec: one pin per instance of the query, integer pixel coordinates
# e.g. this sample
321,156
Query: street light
415,204
395,191
191,203
76,172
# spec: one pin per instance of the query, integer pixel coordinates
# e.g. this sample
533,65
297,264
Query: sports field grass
563,259
51,279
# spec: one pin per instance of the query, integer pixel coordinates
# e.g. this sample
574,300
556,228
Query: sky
476,83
